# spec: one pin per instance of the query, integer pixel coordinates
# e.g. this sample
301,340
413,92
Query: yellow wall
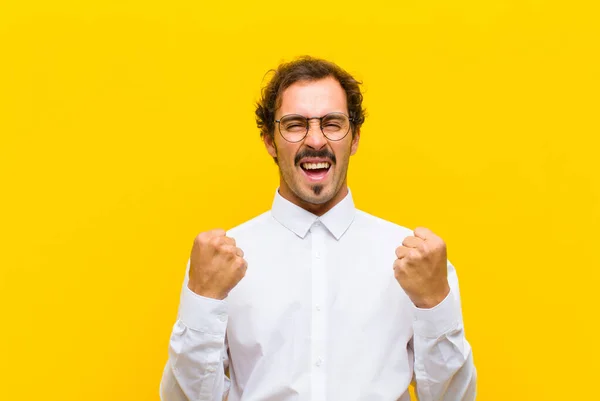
126,127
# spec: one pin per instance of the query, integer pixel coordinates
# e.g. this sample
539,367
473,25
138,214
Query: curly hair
306,68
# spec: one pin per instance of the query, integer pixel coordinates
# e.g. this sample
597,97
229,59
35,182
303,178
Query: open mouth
315,171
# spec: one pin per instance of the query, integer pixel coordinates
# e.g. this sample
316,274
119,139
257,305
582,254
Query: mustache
322,154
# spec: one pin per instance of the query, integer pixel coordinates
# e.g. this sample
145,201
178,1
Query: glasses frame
350,119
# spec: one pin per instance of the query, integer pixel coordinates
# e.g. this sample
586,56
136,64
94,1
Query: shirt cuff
207,315
440,319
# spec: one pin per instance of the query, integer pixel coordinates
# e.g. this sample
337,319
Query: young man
316,300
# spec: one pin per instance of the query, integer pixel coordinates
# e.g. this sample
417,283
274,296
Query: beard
293,182
317,189
316,193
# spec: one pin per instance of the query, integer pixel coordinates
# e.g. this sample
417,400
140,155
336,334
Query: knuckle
227,250
239,263
239,267
414,254
400,265
214,242
438,248
424,231
200,238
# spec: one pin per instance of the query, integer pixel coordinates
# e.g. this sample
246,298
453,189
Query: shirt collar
298,220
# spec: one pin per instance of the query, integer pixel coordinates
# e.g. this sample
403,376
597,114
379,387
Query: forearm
195,370
444,368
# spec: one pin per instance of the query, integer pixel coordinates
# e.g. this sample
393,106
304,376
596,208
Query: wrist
207,293
433,300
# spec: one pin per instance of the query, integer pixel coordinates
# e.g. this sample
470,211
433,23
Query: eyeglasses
294,127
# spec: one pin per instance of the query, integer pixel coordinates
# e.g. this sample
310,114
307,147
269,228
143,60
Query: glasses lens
293,127
335,126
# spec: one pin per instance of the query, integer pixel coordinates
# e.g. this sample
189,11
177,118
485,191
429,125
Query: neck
316,209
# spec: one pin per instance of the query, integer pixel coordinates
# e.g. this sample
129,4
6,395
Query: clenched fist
216,264
421,268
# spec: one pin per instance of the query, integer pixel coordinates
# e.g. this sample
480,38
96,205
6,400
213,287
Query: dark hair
306,68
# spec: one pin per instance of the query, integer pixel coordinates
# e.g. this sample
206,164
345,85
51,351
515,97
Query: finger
423,233
239,252
229,249
402,251
412,242
228,241
241,264
217,232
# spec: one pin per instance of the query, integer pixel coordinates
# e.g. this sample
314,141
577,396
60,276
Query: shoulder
373,224
251,227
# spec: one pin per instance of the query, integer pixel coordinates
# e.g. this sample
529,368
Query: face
313,171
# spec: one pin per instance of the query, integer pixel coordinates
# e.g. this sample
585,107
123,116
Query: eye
294,127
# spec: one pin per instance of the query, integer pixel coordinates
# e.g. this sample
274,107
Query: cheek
342,152
286,152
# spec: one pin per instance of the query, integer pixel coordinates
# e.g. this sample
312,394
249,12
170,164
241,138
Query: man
316,300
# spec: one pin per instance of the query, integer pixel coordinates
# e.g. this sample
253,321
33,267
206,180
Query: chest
295,292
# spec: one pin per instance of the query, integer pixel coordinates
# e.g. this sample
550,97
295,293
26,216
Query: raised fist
216,264
421,268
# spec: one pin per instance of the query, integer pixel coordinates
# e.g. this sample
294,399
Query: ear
355,140
270,145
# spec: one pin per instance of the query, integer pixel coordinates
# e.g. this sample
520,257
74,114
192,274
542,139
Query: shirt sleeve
195,370
443,366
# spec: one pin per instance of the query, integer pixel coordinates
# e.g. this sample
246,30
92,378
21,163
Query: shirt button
317,223
319,362
318,307
211,369
318,255
222,317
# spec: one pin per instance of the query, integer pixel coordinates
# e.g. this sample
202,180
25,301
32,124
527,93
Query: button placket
319,318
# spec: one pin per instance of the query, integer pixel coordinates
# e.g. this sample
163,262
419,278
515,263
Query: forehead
313,98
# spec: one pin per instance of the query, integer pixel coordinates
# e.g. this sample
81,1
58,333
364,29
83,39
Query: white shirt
318,316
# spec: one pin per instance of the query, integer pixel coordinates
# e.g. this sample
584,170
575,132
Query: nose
315,138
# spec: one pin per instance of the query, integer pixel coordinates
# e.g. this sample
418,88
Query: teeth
314,166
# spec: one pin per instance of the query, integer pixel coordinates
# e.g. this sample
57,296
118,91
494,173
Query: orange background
127,127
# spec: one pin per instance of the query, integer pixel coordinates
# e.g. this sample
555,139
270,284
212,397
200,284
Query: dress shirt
318,316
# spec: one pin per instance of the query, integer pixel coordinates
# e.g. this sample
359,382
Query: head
313,170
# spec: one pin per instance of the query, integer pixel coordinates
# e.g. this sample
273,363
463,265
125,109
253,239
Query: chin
317,194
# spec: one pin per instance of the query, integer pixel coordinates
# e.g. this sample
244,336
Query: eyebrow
337,115
296,115
293,115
